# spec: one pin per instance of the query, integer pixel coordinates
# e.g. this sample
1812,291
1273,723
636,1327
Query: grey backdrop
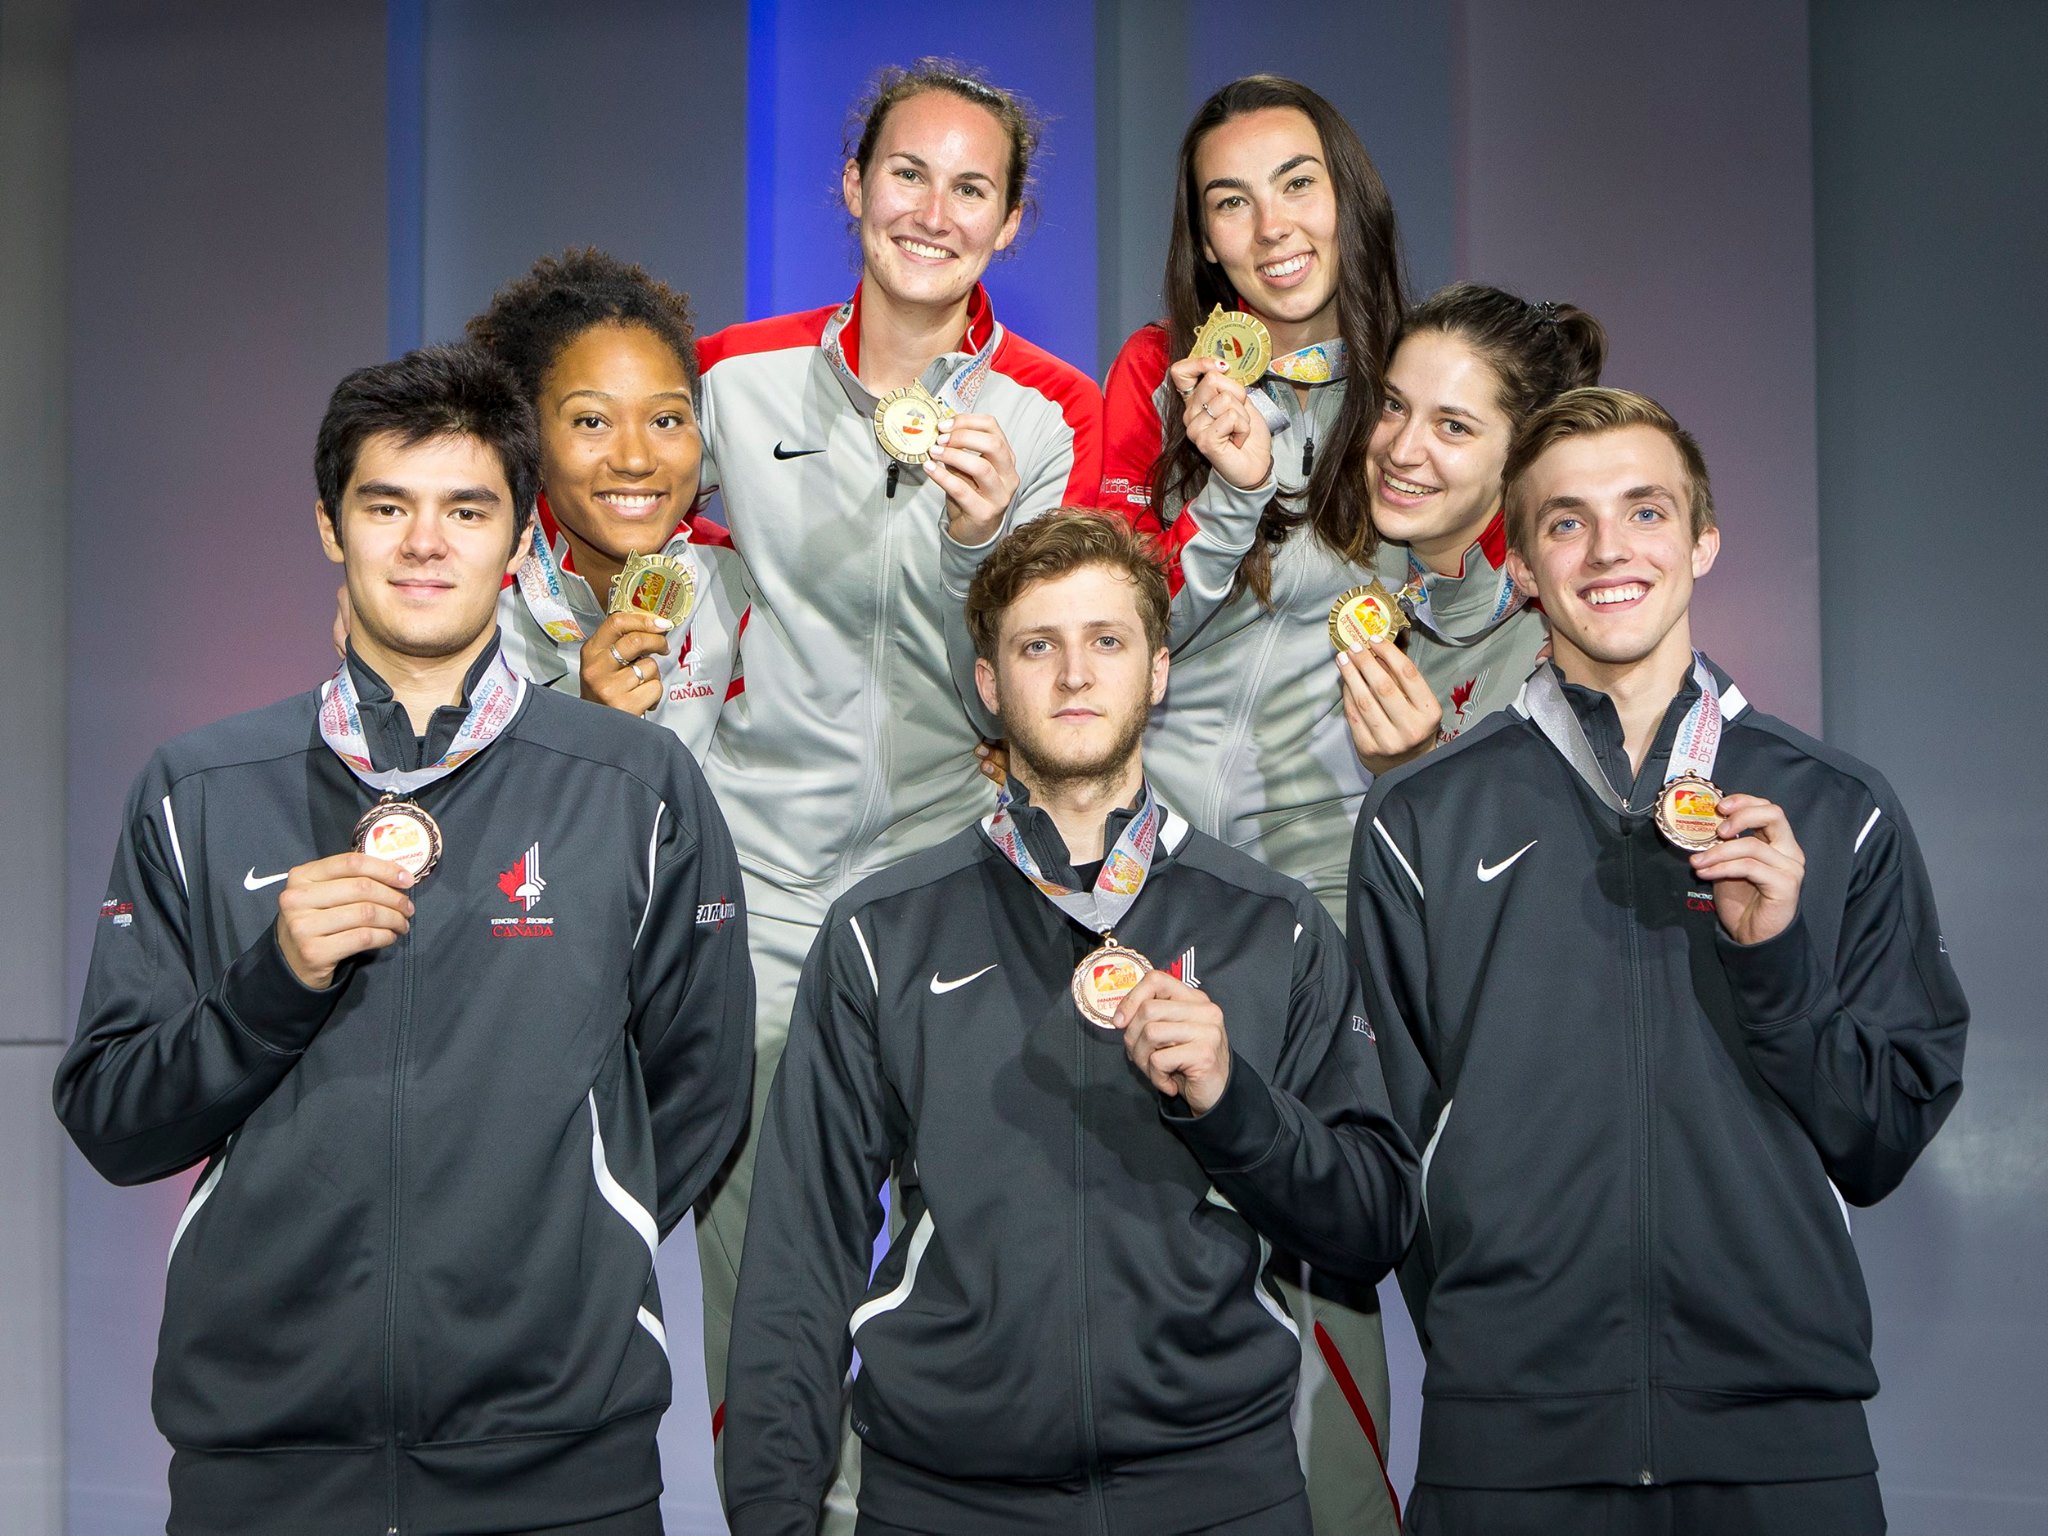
1812,233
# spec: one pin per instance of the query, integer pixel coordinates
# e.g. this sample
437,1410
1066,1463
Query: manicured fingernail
664,625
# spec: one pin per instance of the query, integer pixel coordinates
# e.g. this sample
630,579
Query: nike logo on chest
794,453
941,988
1488,871
254,882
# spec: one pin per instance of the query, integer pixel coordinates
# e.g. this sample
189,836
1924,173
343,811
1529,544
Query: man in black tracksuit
1646,1041
1071,1330
449,1098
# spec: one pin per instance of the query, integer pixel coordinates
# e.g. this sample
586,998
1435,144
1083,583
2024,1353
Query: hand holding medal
1755,863
973,463
1174,1035
1219,417
337,907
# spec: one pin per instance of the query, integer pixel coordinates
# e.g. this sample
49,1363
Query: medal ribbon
492,704
1414,600
1693,752
543,584
1102,907
962,386
1318,363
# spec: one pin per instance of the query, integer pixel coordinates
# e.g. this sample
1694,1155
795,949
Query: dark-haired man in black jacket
1659,985
444,978
1072,1330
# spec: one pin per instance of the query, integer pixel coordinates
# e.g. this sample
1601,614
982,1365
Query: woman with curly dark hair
607,354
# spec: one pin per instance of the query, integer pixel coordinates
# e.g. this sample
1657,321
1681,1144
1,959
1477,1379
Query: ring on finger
635,670
623,663
1208,410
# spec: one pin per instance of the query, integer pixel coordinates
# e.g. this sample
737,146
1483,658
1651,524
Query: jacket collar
387,728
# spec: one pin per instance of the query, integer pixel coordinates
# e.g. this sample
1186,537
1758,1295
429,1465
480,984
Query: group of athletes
1128,823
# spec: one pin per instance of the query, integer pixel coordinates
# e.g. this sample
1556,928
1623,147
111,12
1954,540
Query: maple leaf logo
1461,695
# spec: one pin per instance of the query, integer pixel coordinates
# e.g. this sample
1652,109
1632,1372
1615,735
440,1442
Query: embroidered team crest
522,885
1183,967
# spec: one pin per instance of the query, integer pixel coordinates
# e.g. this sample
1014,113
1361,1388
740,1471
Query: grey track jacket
851,741
1251,740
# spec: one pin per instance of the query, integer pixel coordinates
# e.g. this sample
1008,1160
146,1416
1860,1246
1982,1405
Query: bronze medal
1104,978
1365,614
658,584
400,831
1240,340
907,423
1689,813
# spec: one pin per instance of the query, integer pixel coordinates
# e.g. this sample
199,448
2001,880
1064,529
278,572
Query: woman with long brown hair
1258,494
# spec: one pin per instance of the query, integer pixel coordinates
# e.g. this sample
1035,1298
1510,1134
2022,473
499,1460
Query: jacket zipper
895,472
1645,1474
1308,451
398,1052
878,713
1087,1388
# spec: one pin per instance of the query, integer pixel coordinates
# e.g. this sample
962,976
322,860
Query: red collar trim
552,532
981,324
1493,539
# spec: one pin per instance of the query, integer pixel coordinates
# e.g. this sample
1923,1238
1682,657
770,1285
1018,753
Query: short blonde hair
1589,413
1053,545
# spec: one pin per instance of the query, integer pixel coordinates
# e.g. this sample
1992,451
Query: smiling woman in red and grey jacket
851,743
608,357
1279,211
1472,365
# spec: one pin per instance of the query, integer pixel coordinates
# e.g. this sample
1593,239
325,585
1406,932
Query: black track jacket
414,1289
1075,1282
1632,1268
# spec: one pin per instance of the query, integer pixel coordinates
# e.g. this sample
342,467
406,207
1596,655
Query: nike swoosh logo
1487,872
252,882
794,453
940,988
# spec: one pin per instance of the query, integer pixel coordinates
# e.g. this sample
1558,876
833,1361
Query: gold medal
1104,978
1365,614
1239,339
658,584
907,423
400,831
1689,813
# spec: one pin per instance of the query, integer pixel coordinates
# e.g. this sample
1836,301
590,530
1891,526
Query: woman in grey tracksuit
1258,498
849,741
1264,739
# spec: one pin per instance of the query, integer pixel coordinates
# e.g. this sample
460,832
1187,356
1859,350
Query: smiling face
1072,678
1269,219
1611,553
1434,471
425,535
930,208
619,445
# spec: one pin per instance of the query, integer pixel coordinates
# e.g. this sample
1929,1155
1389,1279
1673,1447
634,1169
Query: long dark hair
1369,305
1536,351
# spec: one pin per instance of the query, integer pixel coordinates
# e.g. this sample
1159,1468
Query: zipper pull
895,470
1308,457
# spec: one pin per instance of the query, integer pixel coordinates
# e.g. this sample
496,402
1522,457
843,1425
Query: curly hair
1054,545
533,319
